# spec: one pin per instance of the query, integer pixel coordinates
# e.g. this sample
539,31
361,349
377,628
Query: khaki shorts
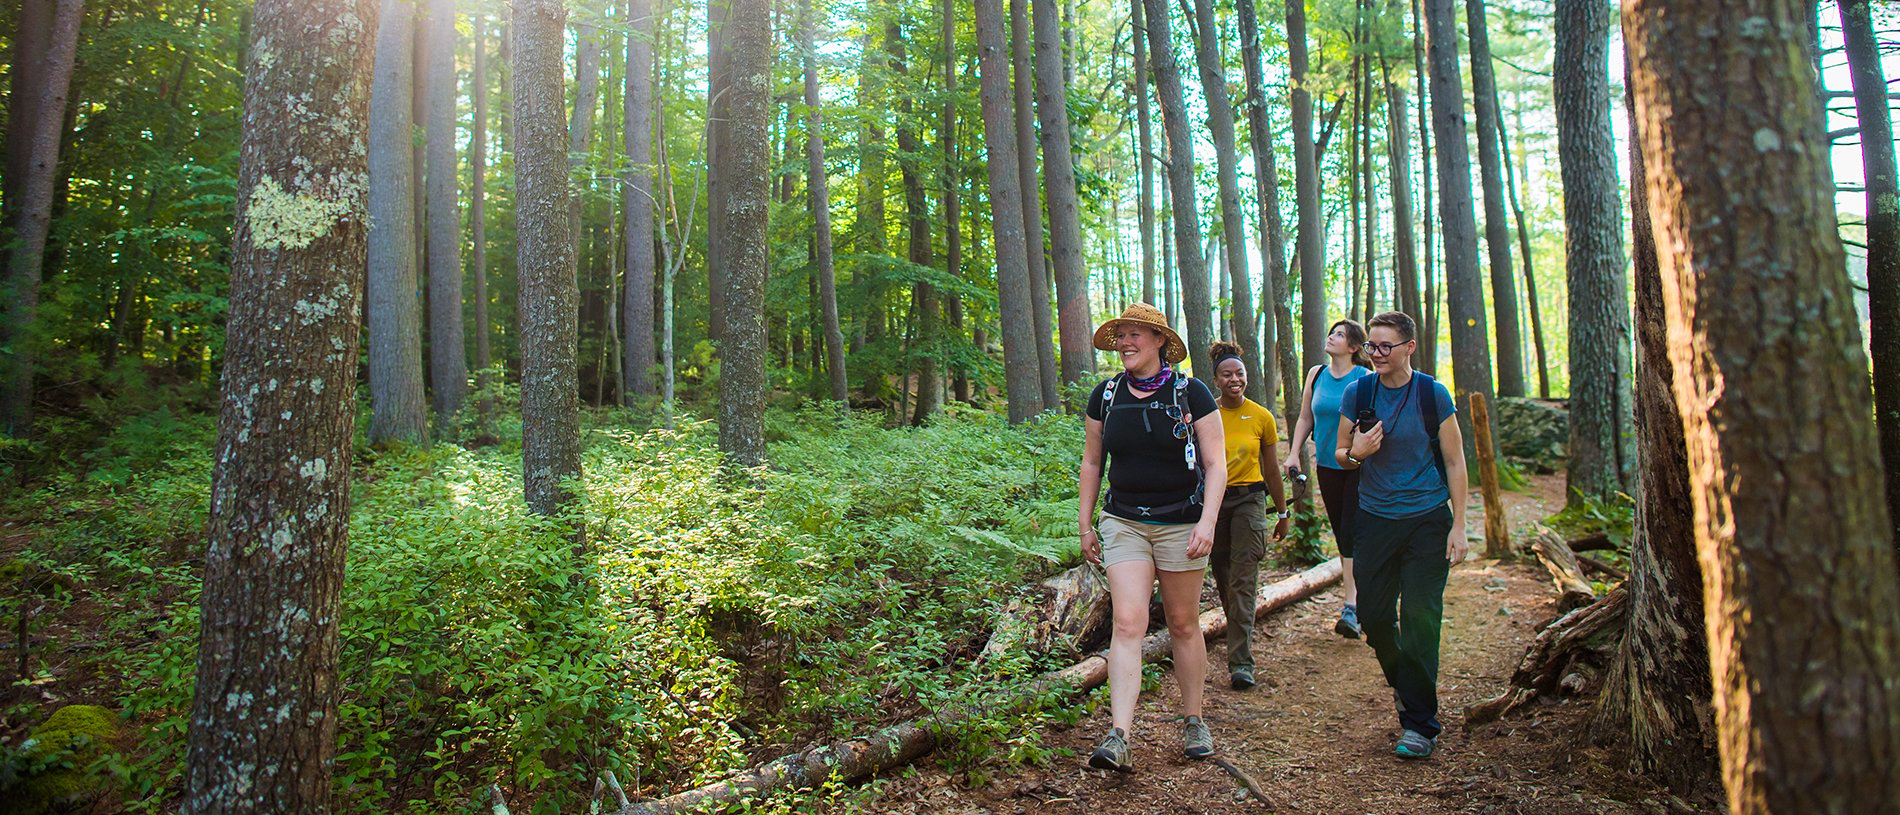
1164,545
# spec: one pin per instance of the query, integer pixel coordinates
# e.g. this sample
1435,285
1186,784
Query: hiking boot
1414,745
1348,625
1198,742
1241,678
1113,753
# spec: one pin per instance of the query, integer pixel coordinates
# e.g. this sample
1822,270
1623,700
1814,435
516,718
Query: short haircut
1397,321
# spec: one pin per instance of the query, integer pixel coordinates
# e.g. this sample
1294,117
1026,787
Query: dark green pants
1240,543
1401,569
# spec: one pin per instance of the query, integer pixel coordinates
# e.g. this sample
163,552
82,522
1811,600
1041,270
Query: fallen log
1592,543
1597,565
1575,591
1065,615
894,746
1565,657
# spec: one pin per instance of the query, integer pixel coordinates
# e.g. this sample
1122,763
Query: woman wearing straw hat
1159,433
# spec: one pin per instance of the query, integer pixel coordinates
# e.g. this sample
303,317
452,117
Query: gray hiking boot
1414,745
1113,753
1241,678
1198,742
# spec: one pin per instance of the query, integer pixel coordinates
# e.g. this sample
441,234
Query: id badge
1190,454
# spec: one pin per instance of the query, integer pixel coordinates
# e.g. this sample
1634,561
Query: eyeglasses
1180,421
1380,349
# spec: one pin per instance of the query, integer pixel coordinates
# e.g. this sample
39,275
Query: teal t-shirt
1326,392
1401,480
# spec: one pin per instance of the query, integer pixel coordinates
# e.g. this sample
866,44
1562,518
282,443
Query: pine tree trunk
45,88
1871,113
1593,254
1497,229
1022,374
748,163
1220,121
477,208
448,357
1426,360
952,187
1306,194
1041,306
1741,199
1655,697
1464,287
1279,361
718,128
1145,127
1065,216
869,228
1196,299
398,410
818,189
262,732
1399,161
638,202
1530,280
923,313
544,240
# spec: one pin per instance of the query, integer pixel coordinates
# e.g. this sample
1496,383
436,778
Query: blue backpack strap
1428,411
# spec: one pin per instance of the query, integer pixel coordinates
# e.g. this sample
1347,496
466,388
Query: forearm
1090,483
1277,489
1457,480
1214,490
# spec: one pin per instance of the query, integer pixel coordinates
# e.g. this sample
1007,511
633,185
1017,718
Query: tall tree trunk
26,68
1022,377
448,357
1530,280
1497,230
33,214
544,240
1145,125
923,313
1593,254
398,411
638,202
1278,361
1741,199
263,723
742,346
1220,121
1655,698
818,189
1883,232
1464,287
1399,166
952,187
1306,194
1426,359
1033,247
477,207
718,128
1065,216
1355,284
1196,299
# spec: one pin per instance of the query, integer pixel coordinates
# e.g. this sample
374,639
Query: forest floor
1319,730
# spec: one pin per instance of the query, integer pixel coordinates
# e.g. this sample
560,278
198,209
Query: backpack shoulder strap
1428,412
1362,395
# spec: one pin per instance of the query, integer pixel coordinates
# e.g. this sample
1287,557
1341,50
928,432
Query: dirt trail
1318,731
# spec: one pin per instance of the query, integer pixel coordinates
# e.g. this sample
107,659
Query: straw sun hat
1174,351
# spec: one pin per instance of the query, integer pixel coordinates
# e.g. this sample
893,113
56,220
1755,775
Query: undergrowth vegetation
712,622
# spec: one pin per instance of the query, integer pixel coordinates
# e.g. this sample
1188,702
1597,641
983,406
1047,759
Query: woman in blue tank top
1338,487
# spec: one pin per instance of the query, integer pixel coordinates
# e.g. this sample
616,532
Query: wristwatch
1285,514
1355,461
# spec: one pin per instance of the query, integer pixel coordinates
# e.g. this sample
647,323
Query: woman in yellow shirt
1240,533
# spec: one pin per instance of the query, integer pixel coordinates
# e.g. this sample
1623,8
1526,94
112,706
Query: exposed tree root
1567,657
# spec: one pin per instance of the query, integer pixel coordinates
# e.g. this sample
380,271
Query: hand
1092,546
1279,529
1366,443
1292,464
1201,542
1457,545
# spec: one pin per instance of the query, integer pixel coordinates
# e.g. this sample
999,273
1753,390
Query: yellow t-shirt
1248,427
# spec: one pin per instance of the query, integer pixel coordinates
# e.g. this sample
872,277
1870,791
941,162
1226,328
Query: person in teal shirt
1338,486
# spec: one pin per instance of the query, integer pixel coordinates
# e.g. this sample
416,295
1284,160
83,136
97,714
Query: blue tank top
1326,394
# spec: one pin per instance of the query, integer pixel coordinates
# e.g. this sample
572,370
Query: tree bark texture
1220,123
1065,216
1306,194
263,722
1196,297
1803,650
1022,377
1426,359
638,202
748,197
1530,279
398,410
917,243
1497,226
1279,361
1144,123
718,128
478,205
448,355
45,87
1033,246
952,190
1593,254
1464,288
1399,165
818,190
544,239
1871,113
1655,696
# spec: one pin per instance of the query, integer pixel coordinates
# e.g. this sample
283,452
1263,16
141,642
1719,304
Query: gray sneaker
1348,625
1241,678
1199,743
1113,753
1414,745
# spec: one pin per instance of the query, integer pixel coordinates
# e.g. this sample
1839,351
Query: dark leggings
1340,491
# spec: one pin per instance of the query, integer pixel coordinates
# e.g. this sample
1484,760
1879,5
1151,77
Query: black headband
1224,357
